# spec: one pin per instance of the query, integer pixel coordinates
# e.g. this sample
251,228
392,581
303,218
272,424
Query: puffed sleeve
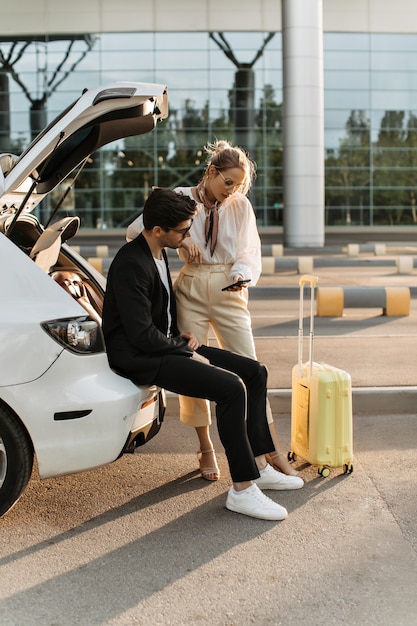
135,228
248,257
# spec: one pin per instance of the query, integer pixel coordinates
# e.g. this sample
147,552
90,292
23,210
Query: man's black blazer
135,320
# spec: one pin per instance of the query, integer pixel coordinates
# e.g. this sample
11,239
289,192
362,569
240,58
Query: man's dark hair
167,209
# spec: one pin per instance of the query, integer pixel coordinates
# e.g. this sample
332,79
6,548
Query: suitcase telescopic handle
307,278
312,281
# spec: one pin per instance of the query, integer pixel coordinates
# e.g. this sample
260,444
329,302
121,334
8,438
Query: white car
59,399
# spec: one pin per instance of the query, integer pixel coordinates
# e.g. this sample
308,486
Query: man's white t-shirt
163,273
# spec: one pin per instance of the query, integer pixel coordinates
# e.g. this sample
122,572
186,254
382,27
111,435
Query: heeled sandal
208,473
282,465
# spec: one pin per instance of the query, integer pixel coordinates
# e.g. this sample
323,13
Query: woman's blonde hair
222,155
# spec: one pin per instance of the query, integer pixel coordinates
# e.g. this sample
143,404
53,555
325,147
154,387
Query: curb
364,400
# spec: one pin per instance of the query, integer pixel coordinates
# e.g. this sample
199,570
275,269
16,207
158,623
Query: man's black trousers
238,387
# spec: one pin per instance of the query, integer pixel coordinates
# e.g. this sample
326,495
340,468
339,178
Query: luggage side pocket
303,402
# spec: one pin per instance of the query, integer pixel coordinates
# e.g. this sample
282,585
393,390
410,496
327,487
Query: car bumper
81,413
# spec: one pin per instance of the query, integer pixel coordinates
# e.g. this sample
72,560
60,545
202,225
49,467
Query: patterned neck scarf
212,217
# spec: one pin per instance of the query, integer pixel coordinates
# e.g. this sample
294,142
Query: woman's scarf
212,217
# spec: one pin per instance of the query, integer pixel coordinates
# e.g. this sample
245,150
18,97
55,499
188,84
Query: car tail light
78,334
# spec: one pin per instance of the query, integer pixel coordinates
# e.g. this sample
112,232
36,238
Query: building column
5,142
303,123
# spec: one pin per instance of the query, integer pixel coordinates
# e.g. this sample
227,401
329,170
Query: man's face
175,236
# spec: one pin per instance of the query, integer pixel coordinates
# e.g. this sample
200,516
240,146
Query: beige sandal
280,463
208,473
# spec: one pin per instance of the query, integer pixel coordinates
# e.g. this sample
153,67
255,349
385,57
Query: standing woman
223,249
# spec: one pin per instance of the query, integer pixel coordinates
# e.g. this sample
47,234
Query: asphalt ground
146,541
378,351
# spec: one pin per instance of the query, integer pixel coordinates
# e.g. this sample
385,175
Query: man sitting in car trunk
143,344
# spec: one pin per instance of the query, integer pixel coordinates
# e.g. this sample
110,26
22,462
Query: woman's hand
191,340
235,279
193,252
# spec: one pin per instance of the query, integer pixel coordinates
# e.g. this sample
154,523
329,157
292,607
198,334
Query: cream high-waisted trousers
201,305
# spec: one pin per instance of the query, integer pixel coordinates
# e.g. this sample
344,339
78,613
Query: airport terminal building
321,93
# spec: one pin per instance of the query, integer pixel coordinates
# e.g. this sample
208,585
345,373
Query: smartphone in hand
238,284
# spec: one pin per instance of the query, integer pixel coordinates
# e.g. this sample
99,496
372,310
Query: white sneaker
270,478
253,502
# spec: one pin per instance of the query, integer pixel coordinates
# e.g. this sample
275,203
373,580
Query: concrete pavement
146,541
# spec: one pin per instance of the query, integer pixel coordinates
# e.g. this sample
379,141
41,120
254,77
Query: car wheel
16,459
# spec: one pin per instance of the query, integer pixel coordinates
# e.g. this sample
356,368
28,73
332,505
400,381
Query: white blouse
238,239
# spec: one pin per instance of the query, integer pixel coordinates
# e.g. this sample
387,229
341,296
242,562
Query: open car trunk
98,117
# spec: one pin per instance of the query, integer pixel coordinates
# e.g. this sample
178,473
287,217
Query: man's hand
191,340
192,250
194,344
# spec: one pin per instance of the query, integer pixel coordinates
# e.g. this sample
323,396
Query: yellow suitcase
321,405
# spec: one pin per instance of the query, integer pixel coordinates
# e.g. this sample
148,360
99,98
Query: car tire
16,459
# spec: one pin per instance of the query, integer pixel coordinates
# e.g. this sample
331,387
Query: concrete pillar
244,108
38,117
303,123
5,142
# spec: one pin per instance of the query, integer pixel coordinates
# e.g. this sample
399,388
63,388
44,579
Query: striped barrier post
92,251
301,265
378,249
275,249
100,264
405,264
394,301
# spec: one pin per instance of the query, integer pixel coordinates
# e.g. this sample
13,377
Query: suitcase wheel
324,471
291,456
348,468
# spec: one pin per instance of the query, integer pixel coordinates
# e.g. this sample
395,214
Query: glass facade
370,129
226,85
